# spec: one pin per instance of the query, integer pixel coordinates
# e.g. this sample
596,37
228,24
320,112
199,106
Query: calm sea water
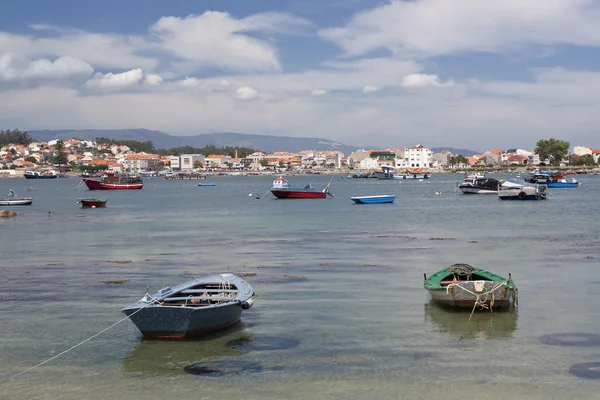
341,311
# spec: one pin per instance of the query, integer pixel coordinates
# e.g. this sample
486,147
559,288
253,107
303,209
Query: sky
474,74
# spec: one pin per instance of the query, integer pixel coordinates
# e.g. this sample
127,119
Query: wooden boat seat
191,291
213,298
458,281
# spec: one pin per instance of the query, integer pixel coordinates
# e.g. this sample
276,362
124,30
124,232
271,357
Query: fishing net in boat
462,270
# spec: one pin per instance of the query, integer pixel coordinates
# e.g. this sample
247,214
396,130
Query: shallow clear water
341,311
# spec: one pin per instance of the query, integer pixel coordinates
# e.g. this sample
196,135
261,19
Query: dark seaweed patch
224,368
263,343
587,370
571,339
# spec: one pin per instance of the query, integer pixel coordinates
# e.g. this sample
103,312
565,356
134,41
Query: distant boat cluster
533,187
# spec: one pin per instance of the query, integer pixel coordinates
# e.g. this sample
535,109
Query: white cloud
225,82
116,81
245,93
181,45
371,89
18,69
153,79
104,50
318,92
190,82
423,80
436,27
217,39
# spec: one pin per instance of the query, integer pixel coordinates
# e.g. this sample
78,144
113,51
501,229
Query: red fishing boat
283,190
110,181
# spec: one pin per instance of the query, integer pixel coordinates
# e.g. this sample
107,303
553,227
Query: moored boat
464,286
40,175
479,184
385,198
16,201
111,181
92,203
282,189
521,190
564,183
192,308
389,172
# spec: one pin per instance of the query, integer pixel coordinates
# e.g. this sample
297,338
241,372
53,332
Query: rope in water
73,347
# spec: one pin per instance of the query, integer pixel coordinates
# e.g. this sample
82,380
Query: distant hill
456,152
264,143
162,140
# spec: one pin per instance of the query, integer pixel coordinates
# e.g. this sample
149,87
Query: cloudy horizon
459,73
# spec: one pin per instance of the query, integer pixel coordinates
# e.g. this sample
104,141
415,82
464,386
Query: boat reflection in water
170,357
499,324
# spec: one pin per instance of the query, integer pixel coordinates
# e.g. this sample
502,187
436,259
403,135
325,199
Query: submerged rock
224,368
263,343
8,213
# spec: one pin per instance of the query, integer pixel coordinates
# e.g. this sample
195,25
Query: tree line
148,147
15,136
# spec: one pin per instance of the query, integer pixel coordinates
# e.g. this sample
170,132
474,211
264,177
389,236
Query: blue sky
460,73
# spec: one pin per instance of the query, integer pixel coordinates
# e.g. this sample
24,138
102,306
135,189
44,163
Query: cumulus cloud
116,81
20,70
245,93
423,80
153,79
318,92
370,89
103,50
437,27
217,39
190,82
212,39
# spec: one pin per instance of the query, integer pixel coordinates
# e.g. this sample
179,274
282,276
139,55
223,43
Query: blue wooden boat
191,308
563,183
385,198
207,184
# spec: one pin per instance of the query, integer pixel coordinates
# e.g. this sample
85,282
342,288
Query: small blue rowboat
384,198
207,184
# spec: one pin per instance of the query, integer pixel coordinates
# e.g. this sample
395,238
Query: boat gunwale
434,281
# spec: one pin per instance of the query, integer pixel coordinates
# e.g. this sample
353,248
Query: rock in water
8,213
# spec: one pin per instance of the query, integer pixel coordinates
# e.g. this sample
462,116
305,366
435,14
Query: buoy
156,185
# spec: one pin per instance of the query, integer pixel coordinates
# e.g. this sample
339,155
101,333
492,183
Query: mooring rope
478,301
75,346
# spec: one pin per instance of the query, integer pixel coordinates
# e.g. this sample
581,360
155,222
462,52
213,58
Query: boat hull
393,175
161,322
41,176
464,295
24,201
477,190
555,185
373,199
97,185
92,203
298,194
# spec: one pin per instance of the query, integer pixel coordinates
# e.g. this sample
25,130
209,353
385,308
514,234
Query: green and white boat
464,286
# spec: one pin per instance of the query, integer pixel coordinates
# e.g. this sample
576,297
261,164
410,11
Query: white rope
75,346
478,296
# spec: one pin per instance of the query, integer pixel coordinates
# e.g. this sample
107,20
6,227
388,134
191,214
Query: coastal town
40,157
